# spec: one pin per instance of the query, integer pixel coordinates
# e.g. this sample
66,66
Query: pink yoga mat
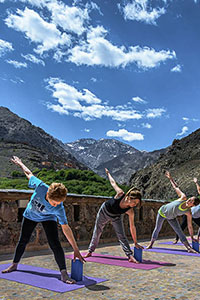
45,278
123,261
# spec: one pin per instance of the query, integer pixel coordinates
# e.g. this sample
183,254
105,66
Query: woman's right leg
159,222
26,231
100,222
183,226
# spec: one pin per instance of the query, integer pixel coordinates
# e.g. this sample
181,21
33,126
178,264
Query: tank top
173,209
113,207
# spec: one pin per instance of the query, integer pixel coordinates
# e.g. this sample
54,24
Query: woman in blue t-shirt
45,206
113,210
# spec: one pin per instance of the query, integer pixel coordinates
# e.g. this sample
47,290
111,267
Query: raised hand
16,160
167,174
195,180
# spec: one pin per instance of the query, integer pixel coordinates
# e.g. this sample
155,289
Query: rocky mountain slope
121,159
39,149
182,159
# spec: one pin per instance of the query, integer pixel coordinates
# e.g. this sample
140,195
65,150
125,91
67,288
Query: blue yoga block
77,270
138,254
195,246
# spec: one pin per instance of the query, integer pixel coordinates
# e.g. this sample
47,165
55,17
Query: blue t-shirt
39,209
196,211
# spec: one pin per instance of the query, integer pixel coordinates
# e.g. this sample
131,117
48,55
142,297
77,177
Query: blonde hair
57,191
135,193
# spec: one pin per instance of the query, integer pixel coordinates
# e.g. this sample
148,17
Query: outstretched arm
189,224
197,185
131,216
178,191
117,189
17,161
69,235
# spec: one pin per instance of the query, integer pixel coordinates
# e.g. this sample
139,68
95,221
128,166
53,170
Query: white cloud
184,130
187,120
141,10
177,69
146,125
32,58
93,79
99,51
154,112
37,30
17,64
84,104
70,18
5,47
87,130
139,100
126,135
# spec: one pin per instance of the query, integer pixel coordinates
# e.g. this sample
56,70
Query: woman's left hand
78,255
139,246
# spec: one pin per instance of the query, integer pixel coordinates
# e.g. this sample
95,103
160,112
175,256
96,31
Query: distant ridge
121,159
19,137
182,159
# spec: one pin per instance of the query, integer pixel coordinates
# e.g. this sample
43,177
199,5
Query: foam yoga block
76,270
195,246
138,254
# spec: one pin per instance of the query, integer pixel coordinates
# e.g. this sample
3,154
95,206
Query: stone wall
81,212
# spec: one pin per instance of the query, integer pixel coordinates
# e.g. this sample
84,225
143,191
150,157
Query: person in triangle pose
195,210
171,211
112,211
46,206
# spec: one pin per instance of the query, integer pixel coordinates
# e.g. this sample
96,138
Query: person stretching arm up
46,206
171,211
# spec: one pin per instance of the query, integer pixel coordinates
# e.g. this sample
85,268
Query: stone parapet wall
81,211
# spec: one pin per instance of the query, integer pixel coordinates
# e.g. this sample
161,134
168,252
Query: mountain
182,159
121,159
39,149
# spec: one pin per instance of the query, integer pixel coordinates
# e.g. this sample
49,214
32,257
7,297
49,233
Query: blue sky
128,70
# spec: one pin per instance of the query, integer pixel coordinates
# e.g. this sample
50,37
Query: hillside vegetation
77,181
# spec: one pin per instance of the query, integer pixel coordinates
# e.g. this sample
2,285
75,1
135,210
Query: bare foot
132,259
89,254
65,278
12,268
190,250
149,246
175,242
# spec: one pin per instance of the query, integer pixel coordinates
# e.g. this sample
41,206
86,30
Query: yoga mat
45,278
123,261
172,251
171,243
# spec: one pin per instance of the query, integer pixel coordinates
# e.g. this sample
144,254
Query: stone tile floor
175,282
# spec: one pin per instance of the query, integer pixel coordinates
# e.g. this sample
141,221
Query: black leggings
51,230
184,223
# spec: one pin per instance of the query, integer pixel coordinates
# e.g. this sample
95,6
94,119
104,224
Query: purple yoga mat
172,251
123,261
45,278
171,243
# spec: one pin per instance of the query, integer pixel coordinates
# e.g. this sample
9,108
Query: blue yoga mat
45,278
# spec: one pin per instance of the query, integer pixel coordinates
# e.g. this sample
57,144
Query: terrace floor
180,281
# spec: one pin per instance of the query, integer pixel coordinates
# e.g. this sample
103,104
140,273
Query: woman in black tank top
112,210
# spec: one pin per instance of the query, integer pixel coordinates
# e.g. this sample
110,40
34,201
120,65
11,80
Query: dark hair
196,201
136,194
